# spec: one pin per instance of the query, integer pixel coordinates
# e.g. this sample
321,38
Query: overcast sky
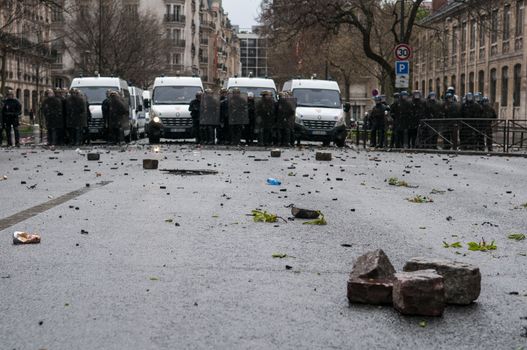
242,12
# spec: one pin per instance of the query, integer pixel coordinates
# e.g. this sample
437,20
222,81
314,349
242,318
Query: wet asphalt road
171,262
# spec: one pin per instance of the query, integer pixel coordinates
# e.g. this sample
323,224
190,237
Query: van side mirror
347,107
139,108
146,102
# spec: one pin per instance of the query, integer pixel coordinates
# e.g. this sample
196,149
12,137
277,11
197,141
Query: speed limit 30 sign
403,52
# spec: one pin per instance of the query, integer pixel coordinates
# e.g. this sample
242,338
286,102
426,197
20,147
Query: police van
95,88
320,114
137,112
254,85
169,114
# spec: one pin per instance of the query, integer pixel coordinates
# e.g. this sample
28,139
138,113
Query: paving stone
370,291
323,156
150,164
373,265
93,156
276,153
462,281
419,293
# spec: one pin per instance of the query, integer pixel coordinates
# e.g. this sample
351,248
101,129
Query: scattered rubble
276,153
93,156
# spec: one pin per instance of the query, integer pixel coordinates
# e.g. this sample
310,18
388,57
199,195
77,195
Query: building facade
201,39
253,53
473,51
25,51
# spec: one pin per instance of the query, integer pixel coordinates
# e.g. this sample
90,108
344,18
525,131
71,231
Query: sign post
403,53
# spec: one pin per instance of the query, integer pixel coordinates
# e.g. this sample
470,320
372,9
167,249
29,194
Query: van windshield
255,90
96,94
317,98
174,95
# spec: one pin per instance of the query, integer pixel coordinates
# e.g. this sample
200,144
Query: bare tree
16,29
111,40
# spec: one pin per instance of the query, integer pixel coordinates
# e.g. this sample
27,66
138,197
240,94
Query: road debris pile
424,288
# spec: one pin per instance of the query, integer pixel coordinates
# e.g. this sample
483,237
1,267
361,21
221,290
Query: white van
137,112
94,88
169,114
254,85
320,115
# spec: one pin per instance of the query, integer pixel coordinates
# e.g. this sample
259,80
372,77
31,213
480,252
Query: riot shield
264,111
238,110
209,110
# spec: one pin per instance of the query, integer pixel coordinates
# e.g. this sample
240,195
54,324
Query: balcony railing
174,18
179,43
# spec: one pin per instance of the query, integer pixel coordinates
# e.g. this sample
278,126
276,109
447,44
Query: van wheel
326,143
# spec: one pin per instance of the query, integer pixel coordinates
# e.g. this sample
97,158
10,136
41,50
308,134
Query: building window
516,96
464,37
417,85
471,82
519,17
445,83
481,81
506,22
473,35
504,86
423,87
494,27
453,82
462,89
429,85
454,40
438,86
493,84
482,33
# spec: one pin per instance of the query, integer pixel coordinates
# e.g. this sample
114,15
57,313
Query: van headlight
156,120
341,121
298,119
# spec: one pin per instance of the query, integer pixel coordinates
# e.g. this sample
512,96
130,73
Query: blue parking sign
402,67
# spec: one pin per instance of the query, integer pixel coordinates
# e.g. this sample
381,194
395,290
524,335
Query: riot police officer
77,117
469,110
118,117
265,118
285,118
490,115
223,129
11,111
395,114
194,113
418,113
236,108
249,129
52,110
377,122
105,108
405,115
428,133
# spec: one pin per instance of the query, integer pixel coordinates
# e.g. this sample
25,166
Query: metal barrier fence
490,135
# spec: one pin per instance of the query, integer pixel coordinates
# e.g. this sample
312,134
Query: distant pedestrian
378,124
118,118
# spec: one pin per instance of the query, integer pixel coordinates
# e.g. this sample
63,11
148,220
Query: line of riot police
67,114
416,122
232,116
